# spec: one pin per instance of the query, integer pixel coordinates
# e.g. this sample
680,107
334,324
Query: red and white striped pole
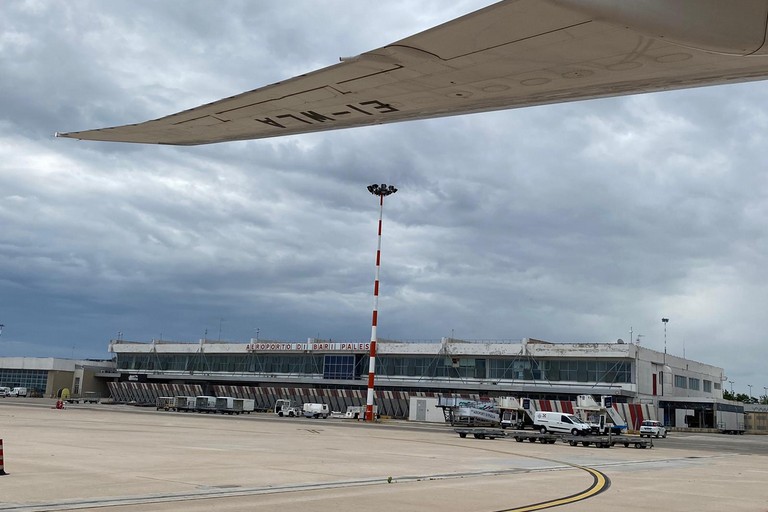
381,191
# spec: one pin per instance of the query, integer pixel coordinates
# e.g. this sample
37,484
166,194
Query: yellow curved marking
600,483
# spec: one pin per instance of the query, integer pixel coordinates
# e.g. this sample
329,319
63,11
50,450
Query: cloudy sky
574,222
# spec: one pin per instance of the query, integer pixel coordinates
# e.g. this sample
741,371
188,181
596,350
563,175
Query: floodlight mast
381,191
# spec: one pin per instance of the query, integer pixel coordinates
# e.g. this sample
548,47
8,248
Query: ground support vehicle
515,413
205,404
354,412
532,437
284,407
480,433
608,441
91,397
165,403
460,411
601,417
311,410
225,405
185,403
244,405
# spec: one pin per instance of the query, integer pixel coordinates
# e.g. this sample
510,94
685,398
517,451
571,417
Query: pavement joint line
219,492
225,493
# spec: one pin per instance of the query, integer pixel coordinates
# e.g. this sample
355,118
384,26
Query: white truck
284,407
311,410
730,419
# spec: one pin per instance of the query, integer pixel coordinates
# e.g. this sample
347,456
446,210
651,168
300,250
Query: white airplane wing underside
508,55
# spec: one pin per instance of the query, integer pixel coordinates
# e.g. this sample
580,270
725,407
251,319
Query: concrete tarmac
130,459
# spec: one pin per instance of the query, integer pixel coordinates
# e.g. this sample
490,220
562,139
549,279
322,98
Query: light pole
664,373
765,394
731,383
381,191
750,392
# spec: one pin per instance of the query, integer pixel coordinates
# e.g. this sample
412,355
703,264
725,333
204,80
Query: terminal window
339,367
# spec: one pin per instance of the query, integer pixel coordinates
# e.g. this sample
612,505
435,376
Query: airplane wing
511,54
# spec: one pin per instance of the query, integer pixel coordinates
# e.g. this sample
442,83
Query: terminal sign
266,346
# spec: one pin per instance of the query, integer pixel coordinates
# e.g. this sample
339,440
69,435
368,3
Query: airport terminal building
649,383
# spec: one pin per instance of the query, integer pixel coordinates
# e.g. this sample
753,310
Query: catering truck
602,417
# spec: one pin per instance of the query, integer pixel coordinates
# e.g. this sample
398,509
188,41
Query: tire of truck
573,443
519,439
585,443
532,439
626,444
574,432
543,429
639,445
664,436
462,435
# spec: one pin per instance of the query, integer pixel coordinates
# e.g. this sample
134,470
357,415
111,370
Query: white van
18,392
559,422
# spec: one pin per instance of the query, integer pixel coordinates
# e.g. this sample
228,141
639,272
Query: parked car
652,428
5,391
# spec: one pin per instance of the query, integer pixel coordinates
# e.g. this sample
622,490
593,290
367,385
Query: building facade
49,376
337,372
